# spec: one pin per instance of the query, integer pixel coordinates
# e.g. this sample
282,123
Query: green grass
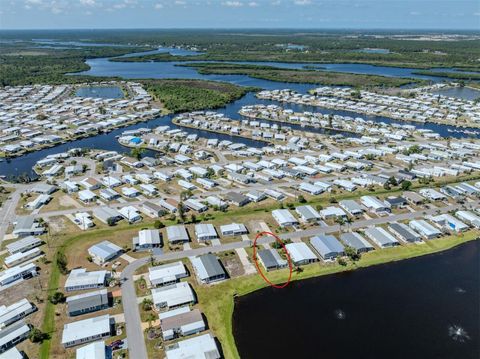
217,302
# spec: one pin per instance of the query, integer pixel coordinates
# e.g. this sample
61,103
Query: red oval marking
261,234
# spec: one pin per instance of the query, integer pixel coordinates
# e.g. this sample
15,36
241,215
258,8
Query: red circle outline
255,260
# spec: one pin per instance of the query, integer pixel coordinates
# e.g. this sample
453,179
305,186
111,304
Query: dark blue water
408,309
100,92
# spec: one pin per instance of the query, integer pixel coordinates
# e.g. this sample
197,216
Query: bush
57,297
158,224
37,336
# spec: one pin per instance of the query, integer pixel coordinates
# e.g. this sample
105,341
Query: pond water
460,92
426,308
100,92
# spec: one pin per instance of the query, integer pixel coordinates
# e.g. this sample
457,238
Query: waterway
427,307
133,70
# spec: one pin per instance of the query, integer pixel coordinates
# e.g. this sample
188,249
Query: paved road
7,211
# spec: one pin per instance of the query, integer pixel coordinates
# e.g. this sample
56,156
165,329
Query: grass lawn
217,301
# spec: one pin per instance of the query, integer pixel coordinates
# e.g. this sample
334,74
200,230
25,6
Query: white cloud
158,6
302,2
88,3
253,4
233,3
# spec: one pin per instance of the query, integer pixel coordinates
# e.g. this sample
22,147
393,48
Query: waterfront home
19,272
448,222
300,253
12,335
166,274
80,279
104,251
270,259
202,346
205,231
356,241
467,216
404,232
181,322
207,268
87,330
177,234
173,295
381,237
147,239
284,218
425,229
15,312
23,244
87,302
233,229
327,246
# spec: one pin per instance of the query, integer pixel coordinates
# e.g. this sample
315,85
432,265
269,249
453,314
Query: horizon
456,15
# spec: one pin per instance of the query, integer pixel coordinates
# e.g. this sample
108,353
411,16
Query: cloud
302,2
253,4
90,3
232,3
158,6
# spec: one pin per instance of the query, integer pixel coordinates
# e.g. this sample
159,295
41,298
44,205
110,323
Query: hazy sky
399,14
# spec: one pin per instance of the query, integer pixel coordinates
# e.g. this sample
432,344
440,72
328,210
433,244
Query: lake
426,307
100,92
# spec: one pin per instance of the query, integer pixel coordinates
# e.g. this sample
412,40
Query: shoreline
220,298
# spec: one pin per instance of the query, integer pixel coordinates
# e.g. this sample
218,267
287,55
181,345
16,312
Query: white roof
200,347
173,295
85,328
95,350
148,236
80,277
167,272
300,252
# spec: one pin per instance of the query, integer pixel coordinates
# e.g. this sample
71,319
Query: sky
322,14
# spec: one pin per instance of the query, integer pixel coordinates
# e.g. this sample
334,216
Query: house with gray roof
351,207
23,245
27,226
177,234
208,268
404,232
87,302
381,237
147,239
104,251
308,213
356,241
181,322
270,259
12,335
327,246
107,215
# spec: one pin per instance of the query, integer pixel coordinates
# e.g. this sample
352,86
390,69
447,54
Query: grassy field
190,95
217,301
301,76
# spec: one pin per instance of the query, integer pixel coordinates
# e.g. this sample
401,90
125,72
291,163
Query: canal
427,307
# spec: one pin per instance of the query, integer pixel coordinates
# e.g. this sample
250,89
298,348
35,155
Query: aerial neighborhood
132,218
